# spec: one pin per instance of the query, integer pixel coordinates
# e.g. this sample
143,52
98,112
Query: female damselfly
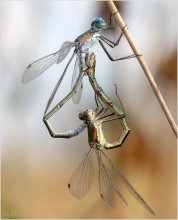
81,180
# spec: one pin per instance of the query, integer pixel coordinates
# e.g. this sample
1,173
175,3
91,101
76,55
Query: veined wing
129,186
39,66
107,186
65,49
77,70
105,182
80,182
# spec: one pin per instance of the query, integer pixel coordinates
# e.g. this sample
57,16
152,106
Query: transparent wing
105,182
129,186
107,186
80,182
77,70
64,50
39,66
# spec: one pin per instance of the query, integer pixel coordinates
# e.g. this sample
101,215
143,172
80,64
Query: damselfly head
99,24
87,115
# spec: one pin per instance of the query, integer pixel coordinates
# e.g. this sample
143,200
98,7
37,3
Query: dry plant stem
146,70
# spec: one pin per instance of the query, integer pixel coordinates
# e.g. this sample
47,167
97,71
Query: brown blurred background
35,167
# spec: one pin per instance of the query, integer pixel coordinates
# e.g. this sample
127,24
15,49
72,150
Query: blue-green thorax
88,38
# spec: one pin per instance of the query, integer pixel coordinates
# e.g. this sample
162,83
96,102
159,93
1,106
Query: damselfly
115,109
81,47
81,180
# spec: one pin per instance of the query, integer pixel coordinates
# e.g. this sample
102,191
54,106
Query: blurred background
36,167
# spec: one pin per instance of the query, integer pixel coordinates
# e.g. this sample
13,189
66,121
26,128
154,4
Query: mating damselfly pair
80,182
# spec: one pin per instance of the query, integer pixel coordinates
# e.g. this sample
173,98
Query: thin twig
145,68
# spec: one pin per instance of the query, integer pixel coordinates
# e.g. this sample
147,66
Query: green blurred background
35,168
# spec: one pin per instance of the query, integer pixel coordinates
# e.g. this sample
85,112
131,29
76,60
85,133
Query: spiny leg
123,121
119,98
116,117
112,116
97,101
111,43
117,59
102,110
